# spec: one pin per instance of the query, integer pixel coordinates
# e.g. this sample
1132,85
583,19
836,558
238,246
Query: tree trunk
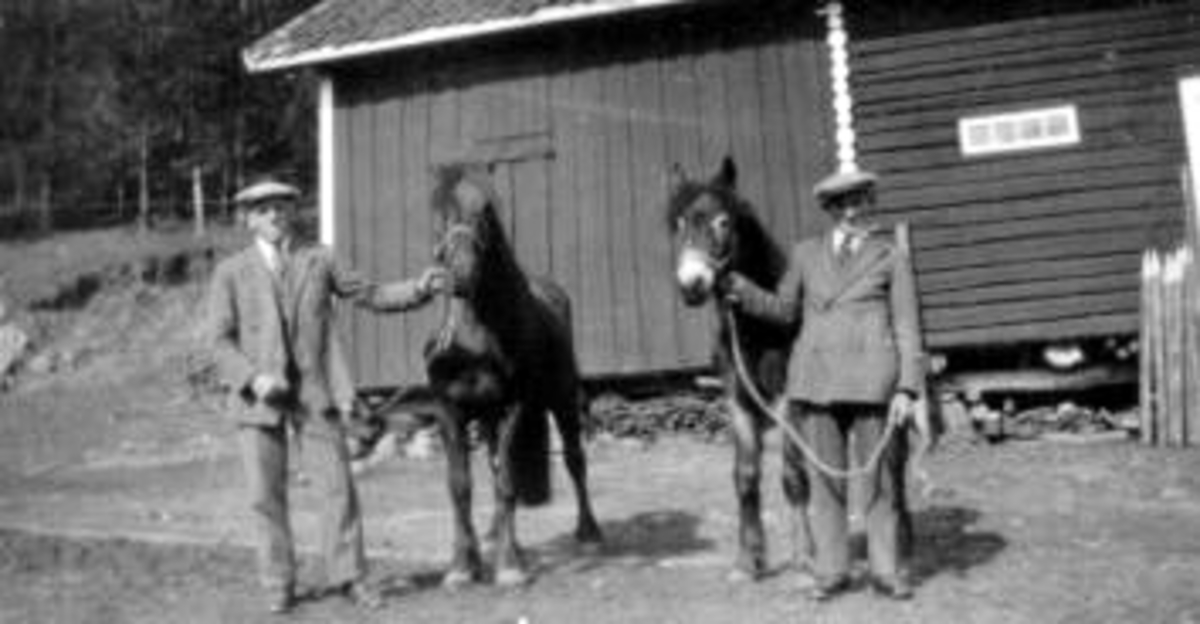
144,181
45,220
198,200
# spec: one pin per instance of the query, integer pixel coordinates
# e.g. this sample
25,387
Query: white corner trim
326,182
837,39
444,34
1189,101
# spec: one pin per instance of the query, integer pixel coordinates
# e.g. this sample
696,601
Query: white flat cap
844,182
266,189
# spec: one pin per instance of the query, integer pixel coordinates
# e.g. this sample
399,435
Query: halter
455,231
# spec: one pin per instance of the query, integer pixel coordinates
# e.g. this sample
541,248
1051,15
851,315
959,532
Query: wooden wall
584,126
1038,245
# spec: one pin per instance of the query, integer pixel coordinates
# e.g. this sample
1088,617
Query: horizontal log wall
1036,245
584,131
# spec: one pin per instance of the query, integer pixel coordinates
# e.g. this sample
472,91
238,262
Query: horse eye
721,222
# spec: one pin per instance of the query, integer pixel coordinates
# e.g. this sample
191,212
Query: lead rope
809,452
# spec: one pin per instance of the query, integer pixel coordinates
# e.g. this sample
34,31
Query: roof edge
447,34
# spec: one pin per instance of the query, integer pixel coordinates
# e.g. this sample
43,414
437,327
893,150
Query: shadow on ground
945,542
642,539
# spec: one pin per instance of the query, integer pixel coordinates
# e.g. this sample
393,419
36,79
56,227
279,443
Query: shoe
897,588
363,596
822,591
281,601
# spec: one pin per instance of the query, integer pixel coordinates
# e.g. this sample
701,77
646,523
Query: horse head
471,242
705,217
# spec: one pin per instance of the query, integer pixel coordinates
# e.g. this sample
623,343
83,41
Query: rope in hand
810,454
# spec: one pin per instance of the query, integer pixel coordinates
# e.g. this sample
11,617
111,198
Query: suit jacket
860,340
283,326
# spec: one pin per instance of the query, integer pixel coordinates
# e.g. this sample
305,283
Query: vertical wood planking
414,173
684,135
362,131
810,131
782,172
743,93
390,232
564,208
345,242
624,267
597,327
531,185
715,140
652,243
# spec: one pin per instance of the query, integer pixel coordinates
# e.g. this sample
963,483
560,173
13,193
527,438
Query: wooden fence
1170,339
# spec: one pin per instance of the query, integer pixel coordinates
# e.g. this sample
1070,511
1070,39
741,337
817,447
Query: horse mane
500,276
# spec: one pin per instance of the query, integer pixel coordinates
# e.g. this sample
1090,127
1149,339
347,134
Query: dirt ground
1020,532
121,501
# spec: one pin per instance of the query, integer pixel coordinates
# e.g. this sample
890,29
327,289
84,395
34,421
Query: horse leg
567,416
466,564
747,474
796,492
509,569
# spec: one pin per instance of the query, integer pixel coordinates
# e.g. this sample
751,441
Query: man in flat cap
271,322
854,369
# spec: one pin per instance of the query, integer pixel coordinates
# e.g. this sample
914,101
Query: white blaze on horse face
695,271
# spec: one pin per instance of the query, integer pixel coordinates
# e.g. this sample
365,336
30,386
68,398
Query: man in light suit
855,365
271,323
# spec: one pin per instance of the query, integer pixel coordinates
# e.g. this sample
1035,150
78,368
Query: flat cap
265,189
844,182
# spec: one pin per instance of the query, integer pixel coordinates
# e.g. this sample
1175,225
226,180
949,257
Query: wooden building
1037,239
584,104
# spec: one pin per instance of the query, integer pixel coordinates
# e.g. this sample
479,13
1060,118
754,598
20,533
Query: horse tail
530,456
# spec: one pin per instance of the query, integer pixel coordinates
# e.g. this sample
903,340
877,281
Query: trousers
835,432
326,458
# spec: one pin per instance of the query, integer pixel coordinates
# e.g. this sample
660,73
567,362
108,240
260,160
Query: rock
423,445
42,363
13,343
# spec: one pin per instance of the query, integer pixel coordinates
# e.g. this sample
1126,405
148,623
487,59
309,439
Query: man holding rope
853,378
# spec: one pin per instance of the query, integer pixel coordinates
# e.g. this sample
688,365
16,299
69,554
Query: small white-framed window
1019,131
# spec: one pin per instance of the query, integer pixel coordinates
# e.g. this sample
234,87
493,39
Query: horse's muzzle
695,276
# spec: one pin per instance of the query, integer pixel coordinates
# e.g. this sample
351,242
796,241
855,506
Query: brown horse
504,359
717,232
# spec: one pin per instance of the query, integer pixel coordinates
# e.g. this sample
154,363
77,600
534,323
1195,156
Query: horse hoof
591,548
456,579
512,577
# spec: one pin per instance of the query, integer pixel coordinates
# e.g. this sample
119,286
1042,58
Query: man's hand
267,387
901,409
433,280
729,287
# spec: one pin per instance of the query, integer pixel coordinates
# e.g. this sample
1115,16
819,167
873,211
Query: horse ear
676,178
727,175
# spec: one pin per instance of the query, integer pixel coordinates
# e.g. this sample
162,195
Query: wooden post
1148,372
1190,308
1173,346
144,180
1159,353
198,199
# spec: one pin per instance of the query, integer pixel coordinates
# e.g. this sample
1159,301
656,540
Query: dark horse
718,232
504,359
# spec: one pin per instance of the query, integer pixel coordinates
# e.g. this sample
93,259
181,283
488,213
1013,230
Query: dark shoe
823,591
281,601
897,588
363,596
